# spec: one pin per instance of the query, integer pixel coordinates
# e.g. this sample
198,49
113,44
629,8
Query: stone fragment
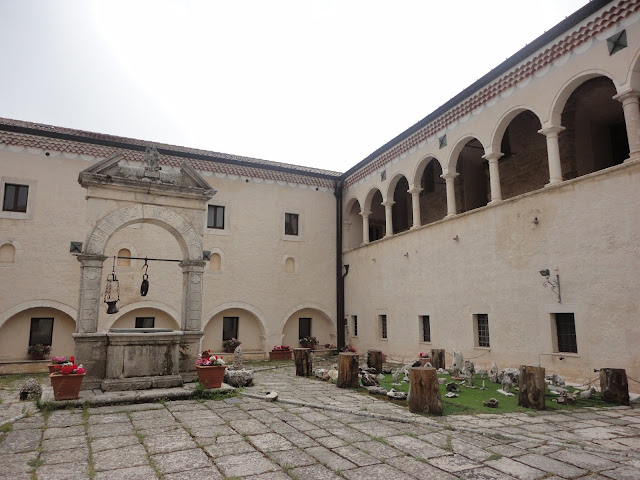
377,390
458,362
396,395
451,395
238,378
319,372
452,387
369,380
333,374
491,403
493,373
31,390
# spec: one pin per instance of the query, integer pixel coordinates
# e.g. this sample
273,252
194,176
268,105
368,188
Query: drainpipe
337,191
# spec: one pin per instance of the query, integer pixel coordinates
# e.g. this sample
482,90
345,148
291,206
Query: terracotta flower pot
280,355
51,367
66,387
308,345
211,376
424,361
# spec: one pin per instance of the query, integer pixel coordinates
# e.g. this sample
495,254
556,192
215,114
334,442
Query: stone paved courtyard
313,431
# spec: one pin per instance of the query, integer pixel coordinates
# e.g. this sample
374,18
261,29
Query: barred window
566,331
426,328
482,320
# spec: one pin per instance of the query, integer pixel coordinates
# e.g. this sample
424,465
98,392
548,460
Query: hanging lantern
112,285
144,286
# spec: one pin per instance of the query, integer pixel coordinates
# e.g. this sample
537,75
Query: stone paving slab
336,434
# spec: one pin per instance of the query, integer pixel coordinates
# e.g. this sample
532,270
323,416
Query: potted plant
283,352
56,361
424,358
205,354
66,380
38,351
211,371
308,342
349,349
230,344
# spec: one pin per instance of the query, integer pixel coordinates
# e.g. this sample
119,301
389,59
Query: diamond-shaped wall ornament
206,255
442,141
383,175
617,42
76,247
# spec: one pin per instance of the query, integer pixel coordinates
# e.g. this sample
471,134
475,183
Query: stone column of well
388,218
451,193
365,227
91,347
631,109
553,153
191,321
494,176
415,206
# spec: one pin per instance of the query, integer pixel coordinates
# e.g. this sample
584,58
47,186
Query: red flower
57,368
72,359
68,369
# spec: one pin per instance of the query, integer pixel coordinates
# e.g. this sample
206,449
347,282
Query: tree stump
374,359
424,391
614,385
532,387
348,364
437,358
302,357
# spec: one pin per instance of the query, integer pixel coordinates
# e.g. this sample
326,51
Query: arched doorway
238,323
308,322
472,185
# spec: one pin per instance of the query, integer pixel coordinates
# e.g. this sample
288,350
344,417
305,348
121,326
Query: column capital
91,260
192,265
627,96
493,157
415,191
388,204
364,214
551,131
449,175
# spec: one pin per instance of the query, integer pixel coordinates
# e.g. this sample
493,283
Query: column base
632,157
494,202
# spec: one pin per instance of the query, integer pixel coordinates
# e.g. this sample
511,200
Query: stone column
346,229
494,176
191,321
553,153
365,227
192,271
90,293
415,206
388,218
451,193
631,109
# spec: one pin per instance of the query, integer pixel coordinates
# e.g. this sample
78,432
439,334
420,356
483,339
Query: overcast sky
318,83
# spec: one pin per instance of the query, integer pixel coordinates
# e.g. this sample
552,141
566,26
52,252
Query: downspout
339,277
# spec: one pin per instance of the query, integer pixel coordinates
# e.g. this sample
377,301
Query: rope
633,380
470,358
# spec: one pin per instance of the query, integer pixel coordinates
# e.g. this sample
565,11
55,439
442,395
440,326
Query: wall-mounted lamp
554,284
535,220
406,254
456,238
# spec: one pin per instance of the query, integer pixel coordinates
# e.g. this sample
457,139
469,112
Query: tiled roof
48,137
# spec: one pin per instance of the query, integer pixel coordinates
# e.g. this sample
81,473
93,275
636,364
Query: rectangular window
426,328
215,217
482,320
566,330
291,224
304,327
383,326
41,332
229,328
355,325
145,322
15,197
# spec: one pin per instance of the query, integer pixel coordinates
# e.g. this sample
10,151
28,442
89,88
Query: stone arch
174,314
189,240
417,173
319,313
254,311
401,211
633,77
64,308
560,99
503,124
432,200
366,206
352,231
457,149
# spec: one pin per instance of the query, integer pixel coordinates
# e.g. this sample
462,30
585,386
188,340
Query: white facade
537,166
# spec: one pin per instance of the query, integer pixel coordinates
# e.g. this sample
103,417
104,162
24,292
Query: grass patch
380,440
470,400
495,456
201,393
6,428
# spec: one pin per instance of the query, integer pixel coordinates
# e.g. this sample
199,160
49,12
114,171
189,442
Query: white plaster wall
588,227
